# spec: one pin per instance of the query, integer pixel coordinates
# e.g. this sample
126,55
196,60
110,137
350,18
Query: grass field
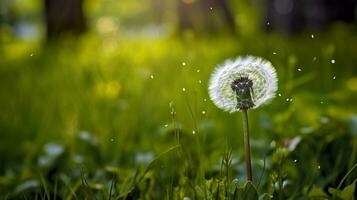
130,117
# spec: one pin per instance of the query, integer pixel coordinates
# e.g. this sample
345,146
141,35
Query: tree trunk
292,16
64,17
204,15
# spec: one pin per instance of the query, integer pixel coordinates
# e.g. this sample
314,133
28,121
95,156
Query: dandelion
245,83
247,80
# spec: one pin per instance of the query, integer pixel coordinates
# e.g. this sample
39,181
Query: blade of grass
43,181
344,178
148,168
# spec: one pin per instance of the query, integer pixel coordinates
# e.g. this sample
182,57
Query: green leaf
335,192
265,196
317,192
246,192
346,194
348,191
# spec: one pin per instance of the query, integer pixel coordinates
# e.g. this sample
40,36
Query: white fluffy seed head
257,69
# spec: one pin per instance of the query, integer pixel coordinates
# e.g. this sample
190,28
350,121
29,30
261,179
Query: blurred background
92,92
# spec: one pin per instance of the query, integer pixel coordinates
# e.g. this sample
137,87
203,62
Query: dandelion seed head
259,71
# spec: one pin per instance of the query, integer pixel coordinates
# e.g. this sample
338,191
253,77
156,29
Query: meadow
123,117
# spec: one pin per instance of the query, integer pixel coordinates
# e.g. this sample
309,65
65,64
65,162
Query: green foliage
106,117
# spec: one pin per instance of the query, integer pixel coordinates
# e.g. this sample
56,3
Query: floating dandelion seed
183,89
295,161
211,8
31,54
274,53
312,36
314,59
299,69
334,77
203,112
183,64
198,71
268,23
333,61
205,100
166,125
245,83
112,139
193,132
246,77
199,81
279,94
152,76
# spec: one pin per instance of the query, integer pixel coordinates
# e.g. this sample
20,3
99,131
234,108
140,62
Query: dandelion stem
247,145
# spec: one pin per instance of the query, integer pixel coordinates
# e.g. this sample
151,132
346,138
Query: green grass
107,117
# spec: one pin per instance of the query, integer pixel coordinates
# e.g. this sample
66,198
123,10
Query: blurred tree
291,16
205,15
64,16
